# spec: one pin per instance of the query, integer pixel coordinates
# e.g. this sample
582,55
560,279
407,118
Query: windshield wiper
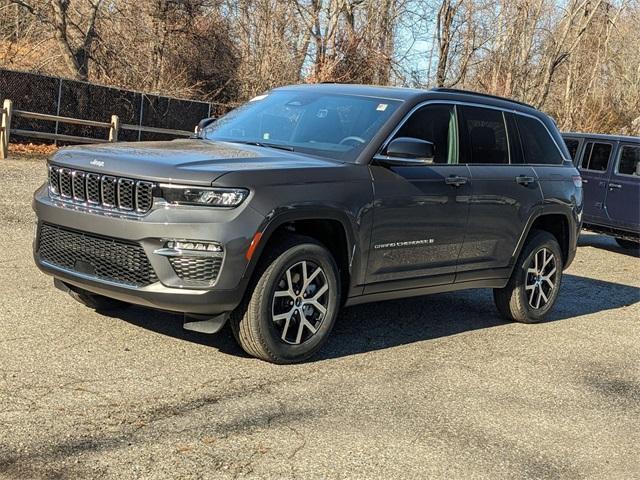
263,144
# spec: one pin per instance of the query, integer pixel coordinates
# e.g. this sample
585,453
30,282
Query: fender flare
542,211
283,215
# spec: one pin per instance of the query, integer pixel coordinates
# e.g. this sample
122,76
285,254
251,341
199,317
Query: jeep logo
97,163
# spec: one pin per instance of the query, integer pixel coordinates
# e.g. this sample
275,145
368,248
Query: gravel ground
429,387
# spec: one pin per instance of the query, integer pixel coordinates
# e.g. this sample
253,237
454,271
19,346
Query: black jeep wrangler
310,198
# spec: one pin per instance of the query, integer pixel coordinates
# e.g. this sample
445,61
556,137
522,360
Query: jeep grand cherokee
310,198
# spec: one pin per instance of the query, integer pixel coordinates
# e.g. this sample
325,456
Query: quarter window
629,163
486,132
538,146
436,124
596,157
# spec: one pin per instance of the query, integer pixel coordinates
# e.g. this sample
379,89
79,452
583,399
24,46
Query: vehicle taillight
577,181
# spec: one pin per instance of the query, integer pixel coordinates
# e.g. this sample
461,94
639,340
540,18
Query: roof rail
480,94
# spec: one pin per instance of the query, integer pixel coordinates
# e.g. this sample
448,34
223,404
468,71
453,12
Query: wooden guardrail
114,127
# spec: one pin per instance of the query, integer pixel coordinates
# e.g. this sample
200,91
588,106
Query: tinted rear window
538,146
487,135
596,156
629,163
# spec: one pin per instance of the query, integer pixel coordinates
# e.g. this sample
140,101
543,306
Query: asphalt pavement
430,387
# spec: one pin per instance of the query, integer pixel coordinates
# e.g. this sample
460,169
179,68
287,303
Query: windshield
332,126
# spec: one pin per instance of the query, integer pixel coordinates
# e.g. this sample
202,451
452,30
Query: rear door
505,190
623,195
595,168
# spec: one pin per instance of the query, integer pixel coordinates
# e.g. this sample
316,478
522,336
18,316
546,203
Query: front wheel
291,309
535,281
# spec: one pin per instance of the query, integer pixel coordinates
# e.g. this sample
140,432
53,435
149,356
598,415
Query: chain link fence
70,98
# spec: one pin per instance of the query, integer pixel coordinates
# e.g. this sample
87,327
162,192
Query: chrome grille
100,190
125,193
65,183
54,180
144,196
77,185
197,271
104,258
93,188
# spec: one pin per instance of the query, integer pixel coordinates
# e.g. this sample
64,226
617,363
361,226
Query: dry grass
32,148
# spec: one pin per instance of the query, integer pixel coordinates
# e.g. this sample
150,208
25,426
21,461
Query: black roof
415,94
391,93
601,136
480,94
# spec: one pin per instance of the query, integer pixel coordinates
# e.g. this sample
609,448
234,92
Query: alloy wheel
300,302
541,278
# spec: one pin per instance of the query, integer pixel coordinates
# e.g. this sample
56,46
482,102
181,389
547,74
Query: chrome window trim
425,103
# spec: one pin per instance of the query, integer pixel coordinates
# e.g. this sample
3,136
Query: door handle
584,180
455,180
615,185
525,180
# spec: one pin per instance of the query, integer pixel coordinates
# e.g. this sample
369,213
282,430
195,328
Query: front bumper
232,228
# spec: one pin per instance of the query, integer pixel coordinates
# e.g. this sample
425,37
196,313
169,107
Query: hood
192,161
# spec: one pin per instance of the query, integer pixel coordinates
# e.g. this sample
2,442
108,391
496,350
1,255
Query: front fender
282,215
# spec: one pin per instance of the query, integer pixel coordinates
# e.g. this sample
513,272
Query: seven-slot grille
101,190
105,258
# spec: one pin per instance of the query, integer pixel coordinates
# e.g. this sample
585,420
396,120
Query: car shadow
605,242
394,323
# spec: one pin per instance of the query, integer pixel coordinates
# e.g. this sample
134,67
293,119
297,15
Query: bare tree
74,28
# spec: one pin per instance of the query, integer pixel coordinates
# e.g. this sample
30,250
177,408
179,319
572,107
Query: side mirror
204,123
413,149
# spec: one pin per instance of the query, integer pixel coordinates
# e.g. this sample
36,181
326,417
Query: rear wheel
535,281
291,309
628,244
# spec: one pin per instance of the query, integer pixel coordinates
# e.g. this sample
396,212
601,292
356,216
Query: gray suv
310,198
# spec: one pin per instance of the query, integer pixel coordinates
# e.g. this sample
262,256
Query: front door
623,197
420,212
594,168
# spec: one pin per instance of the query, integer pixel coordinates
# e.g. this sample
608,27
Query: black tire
97,302
253,324
628,244
514,301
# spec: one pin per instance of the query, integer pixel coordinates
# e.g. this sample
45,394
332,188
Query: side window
486,134
538,146
629,162
436,124
572,145
596,156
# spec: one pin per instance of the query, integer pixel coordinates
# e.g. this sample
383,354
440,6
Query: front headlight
214,197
